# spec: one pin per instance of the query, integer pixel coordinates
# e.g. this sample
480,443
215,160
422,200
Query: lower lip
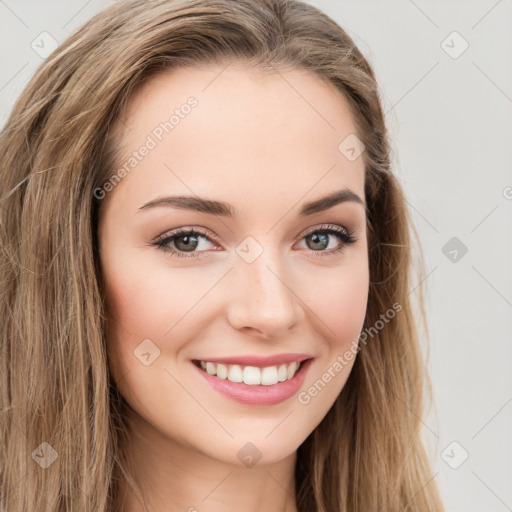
257,394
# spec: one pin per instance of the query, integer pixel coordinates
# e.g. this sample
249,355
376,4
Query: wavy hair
57,398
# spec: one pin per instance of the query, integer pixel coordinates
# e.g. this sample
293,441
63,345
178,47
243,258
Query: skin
266,143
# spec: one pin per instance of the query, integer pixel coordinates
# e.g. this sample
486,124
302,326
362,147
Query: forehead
252,135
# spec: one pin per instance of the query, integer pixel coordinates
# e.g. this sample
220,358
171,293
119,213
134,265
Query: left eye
319,239
188,240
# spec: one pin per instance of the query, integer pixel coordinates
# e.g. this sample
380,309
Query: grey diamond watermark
44,455
454,455
351,147
146,352
44,44
454,249
454,45
249,249
249,454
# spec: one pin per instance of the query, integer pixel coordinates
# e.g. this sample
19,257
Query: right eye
184,241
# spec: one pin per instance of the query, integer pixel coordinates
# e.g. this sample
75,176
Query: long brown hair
62,428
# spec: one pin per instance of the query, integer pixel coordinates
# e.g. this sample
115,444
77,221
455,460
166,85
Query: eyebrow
221,208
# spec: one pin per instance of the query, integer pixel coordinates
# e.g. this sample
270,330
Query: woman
205,268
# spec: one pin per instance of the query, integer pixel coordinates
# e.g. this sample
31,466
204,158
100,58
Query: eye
183,242
318,239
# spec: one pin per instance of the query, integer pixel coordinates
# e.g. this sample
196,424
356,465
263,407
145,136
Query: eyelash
345,236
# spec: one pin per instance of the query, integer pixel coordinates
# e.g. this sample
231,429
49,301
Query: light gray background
451,124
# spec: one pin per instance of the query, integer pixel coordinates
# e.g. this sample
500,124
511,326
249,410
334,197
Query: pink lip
257,394
259,361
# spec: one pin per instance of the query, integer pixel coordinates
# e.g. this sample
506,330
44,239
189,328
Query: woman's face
260,286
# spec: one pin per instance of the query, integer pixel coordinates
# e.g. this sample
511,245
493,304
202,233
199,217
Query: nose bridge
263,299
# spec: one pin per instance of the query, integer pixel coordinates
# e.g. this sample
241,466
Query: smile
251,375
255,385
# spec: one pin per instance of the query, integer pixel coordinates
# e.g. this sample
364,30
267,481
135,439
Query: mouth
255,385
249,374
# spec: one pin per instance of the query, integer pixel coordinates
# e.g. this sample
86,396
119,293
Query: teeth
251,375
269,376
222,371
290,371
281,373
235,373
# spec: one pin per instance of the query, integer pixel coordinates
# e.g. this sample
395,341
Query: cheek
340,300
348,307
138,302
148,299
340,306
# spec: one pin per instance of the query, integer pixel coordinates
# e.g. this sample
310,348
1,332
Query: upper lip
260,361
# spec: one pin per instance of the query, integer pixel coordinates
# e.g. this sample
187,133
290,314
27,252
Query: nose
263,299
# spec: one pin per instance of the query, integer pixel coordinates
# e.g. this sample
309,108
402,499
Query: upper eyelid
186,229
205,232
326,227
